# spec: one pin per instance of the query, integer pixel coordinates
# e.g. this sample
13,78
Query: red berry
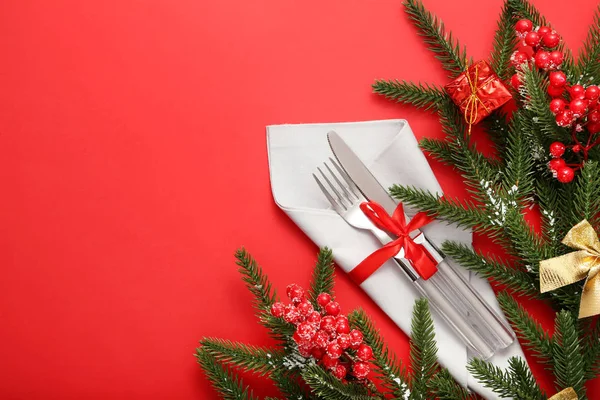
556,59
361,369
291,314
543,30
577,92
344,340
314,318
593,127
356,337
305,351
592,92
332,308
342,327
542,59
515,81
576,148
277,309
551,40
317,353
328,323
594,116
334,350
557,105
556,163
329,362
518,58
364,352
565,174
558,78
323,299
557,149
306,330
578,107
305,308
295,293
321,339
554,91
340,372
523,26
564,118
532,39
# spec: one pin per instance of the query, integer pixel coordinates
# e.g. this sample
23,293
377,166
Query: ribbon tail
362,271
590,298
420,259
561,271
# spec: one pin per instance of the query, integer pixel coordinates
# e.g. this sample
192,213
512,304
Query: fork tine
347,194
332,186
352,186
333,202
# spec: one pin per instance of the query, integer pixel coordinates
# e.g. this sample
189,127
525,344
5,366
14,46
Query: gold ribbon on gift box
575,266
567,394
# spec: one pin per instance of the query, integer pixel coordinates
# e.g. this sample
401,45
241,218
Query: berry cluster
537,46
325,335
574,106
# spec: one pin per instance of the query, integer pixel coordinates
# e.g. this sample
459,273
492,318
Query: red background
133,163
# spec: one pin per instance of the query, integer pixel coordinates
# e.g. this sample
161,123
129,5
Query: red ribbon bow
420,258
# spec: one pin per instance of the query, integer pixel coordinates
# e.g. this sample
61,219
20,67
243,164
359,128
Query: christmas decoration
478,91
567,394
544,165
576,266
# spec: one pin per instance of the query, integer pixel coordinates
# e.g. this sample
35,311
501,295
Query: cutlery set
347,184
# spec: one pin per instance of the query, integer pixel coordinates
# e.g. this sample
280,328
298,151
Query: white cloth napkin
391,152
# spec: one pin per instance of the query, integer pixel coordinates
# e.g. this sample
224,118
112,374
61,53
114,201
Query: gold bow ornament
567,394
575,266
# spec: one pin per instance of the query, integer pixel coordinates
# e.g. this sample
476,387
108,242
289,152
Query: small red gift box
478,91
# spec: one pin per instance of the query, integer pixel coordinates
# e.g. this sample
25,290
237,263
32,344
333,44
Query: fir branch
569,367
518,173
551,209
505,383
589,55
466,215
591,349
247,357
440,41
525,243
392,374
496,125
328,387
525,380
438,149
323,276
423,350
505,41
259,285
444,387
288,384
425,96
229,385
491,268
586,196
529,331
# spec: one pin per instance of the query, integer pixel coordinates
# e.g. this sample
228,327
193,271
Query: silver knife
449,293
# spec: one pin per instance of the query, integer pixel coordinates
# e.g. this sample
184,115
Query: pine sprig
264,296
323,276
504,43
227,383
250,358
328,387
491,268
438,149
518,174
444,387
589,67
439,41
423,350
569,367
425,96
586,196
591,349
517,382
392,374
529,331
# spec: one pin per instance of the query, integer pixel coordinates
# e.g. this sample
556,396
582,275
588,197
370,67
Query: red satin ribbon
421,260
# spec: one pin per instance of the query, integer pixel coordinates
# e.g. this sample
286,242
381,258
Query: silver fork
449,294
